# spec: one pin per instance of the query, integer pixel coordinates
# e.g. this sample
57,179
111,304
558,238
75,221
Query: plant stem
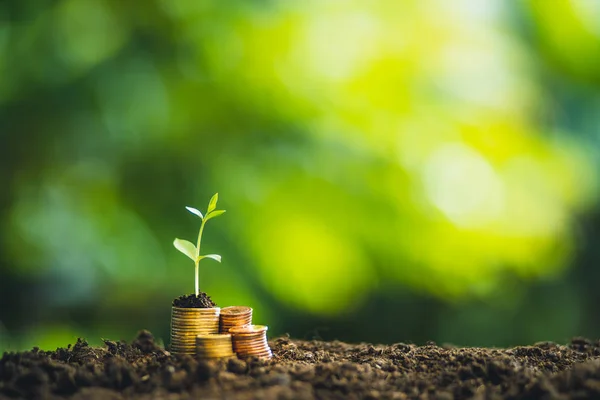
197,262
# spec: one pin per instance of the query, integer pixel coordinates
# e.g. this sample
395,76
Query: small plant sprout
192,251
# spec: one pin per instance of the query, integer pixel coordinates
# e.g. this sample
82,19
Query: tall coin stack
251,340
187,323
235,316
214,346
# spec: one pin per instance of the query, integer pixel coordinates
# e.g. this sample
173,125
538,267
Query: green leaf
213,203
195,211
214,214
215,257
186,248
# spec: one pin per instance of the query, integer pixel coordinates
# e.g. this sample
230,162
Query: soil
192,301
306,370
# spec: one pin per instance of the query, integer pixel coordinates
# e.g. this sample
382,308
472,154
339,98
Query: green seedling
188,248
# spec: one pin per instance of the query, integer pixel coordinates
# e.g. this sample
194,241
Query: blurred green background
391,170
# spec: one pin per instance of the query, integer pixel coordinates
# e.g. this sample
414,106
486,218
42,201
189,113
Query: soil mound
192,301
306,370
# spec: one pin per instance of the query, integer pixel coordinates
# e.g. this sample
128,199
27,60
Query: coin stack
251,340
214,346
187,323
234,316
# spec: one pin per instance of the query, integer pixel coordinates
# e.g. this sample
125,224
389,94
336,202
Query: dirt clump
306,370
192,301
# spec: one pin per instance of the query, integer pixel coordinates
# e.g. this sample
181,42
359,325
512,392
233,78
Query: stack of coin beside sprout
187,323
234,316
251,341
214,346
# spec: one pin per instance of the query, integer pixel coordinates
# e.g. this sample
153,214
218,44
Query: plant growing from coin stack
195,314
193,251
198,326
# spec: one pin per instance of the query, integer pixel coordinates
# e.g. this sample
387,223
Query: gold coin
192,332
236,320
230,317
183,339
247,342
248,338
195,327
227,328
194,320
215,337
248,329
199,330
188,349
210,324
194,317
188,343
253,340
214,344
262,342
234,324
236,310
214,348
250,349
186,318
235,329
214,353
183,344
195,323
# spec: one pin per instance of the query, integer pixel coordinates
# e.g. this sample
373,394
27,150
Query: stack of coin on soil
251,340
234,316
187,323
214,346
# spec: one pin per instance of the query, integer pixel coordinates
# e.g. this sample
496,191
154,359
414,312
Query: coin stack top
187,323
214,346
234,316
251,340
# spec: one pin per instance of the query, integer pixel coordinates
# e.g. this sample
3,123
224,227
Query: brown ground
306,370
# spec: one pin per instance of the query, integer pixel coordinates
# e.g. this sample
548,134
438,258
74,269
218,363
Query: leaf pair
187,247
210,212
190,250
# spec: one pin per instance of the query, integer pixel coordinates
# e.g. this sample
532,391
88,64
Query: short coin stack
235,316
187,323
251,340
214,346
